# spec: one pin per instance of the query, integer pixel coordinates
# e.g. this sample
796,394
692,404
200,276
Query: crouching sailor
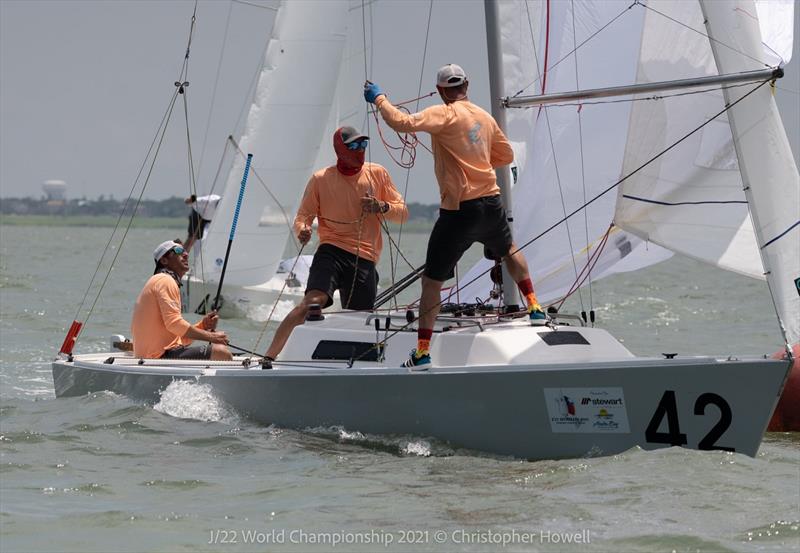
159,330
349,200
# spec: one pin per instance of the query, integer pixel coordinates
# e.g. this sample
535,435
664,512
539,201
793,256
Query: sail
766,165
691,198
284,131
565,156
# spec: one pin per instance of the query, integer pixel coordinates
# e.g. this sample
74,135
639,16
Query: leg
220,353
430,302
295,317
518,269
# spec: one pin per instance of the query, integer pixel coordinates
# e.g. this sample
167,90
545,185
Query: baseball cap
450,75
163,248
350,134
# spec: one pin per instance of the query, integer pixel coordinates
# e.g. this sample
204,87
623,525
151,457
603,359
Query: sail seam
781,235
704,202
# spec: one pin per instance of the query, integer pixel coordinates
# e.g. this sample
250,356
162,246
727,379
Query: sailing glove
371,92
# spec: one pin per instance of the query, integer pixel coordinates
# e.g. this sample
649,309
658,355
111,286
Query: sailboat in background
285,131
496,383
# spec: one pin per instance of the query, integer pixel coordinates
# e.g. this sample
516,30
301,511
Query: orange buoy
786,417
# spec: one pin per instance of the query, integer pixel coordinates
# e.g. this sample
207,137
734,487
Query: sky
84,84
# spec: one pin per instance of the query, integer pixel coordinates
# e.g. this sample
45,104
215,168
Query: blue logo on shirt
473,133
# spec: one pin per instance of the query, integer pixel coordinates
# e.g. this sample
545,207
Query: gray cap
351,134
450,75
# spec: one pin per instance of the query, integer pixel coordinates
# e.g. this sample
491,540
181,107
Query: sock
424,341
526,287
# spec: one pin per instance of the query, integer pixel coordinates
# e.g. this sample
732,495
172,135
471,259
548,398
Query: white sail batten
284,130
555,175
767,168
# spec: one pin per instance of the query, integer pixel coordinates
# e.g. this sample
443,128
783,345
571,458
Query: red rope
587,269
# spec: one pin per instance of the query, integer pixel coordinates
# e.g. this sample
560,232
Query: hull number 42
667,408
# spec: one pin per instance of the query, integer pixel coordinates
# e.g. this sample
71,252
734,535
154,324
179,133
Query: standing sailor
349,201
467,146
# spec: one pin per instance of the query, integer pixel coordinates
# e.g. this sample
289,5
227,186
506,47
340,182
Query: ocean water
102,473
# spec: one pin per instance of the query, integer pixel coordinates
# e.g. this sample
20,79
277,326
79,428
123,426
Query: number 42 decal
667,407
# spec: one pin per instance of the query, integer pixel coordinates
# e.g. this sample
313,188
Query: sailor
467,146
158,328
203,208
349,200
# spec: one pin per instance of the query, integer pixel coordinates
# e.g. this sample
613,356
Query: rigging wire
583,164
214,91
568,54
748,56
416,108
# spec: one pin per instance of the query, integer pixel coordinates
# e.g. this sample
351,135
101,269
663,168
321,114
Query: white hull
550,393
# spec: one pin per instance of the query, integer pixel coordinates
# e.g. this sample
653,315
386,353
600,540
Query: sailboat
726,193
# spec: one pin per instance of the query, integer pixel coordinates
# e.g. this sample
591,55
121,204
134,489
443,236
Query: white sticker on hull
587,410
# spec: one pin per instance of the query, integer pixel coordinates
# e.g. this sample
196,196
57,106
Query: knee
220,353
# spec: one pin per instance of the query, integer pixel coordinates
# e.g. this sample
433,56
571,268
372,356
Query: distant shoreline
415,226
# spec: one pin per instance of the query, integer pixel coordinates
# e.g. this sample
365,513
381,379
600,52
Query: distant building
55,190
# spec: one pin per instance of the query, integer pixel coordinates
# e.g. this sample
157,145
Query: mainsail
284,130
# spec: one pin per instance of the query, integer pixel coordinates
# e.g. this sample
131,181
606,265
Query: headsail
284,129
691,199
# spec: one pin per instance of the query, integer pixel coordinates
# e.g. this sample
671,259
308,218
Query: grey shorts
190,352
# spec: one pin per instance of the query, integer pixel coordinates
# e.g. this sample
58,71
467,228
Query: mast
498,112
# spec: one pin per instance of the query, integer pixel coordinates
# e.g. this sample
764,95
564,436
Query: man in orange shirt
467,146
159,330
349,201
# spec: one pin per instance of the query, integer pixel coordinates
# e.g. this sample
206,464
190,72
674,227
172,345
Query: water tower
55,190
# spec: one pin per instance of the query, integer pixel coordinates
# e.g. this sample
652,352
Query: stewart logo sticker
599,410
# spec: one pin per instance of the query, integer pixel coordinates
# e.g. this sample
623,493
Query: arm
309,207
502,153
169,303
430,120
397,211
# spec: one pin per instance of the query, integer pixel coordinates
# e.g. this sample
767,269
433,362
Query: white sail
284,129
555,174
691,199
768,170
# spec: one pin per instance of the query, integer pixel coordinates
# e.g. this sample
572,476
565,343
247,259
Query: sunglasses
178,250
358,144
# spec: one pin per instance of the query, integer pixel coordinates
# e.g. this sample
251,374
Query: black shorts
188,352
480,220
196,225
332,269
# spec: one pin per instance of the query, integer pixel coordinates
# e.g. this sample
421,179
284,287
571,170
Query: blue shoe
538,317
422,363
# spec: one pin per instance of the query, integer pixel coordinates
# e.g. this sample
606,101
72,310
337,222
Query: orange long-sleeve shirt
334,200
157,324
467,146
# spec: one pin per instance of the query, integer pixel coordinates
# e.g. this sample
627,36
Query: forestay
284,130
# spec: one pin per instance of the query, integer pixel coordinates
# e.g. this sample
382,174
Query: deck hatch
563,338
345,350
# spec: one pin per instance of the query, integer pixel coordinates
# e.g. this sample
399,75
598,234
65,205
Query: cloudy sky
84,84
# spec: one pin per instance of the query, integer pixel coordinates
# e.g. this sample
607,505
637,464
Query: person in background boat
158,327
350,201
467,146
203,208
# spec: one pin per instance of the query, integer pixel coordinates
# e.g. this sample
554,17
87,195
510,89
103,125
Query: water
101,473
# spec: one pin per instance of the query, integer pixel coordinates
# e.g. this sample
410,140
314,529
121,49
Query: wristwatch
384,207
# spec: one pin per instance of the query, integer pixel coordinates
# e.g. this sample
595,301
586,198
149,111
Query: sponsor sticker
587,410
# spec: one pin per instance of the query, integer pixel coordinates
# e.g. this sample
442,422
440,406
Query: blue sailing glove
371,92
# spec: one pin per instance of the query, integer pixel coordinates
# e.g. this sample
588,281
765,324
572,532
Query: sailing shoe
538,317
414,363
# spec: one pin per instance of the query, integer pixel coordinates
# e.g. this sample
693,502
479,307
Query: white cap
163,248
450,75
